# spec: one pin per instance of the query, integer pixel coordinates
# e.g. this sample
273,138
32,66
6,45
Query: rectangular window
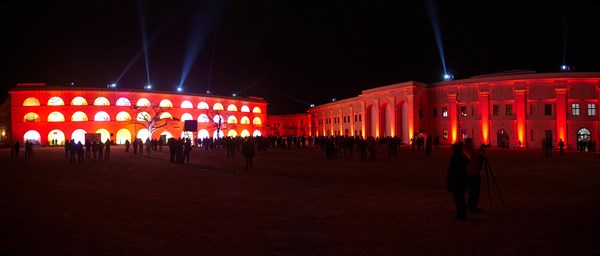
495,110
360,118
445,134
420,113
444,111
591,109
548,109
509,110
575,109
355,118
434,112
530,109
463,110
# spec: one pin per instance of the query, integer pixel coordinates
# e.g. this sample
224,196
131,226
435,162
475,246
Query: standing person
135,146
107,150
88,147
428,145
80,152
248,152
72,151
474,178
28,149
456,181
127,144
187,148
67,148
561,146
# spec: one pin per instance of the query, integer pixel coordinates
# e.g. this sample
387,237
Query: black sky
292,53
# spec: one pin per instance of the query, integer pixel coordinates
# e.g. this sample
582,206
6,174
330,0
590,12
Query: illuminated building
503,109
48,115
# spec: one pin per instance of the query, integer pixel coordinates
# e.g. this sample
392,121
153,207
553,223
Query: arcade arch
57,135
79,117
31,101
56,117
33,136
123,135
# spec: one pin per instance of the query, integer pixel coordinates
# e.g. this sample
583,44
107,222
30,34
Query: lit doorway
503,139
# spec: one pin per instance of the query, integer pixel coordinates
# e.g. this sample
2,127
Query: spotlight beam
436,31
142,19
203,23
253,84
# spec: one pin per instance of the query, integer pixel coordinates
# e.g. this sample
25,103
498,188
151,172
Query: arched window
78,101
245,120
202,105
218,106
123,116
231,133
219,135
256,110
79,117
31,101
256,120
218,119
203,118
123,102
203,133
165,104
56,117
166,115
101,101
231,107
143,116
143,102
101,116
256,133
245,133
143,134
232,120
31,117
245,108
186,104
56,101
186,116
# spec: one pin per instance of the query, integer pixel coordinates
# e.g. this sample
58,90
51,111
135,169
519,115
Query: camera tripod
488,172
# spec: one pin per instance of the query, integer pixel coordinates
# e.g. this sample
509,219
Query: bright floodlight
208,92
333,99
113,85
565,68
312,105
148,87
234,94
179,89
448,77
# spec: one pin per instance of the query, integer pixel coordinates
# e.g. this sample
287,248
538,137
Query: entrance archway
56,136
123,135
584,134
32,136
503,138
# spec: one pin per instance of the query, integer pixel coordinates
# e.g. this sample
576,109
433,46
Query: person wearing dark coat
16,149
457,179
248,152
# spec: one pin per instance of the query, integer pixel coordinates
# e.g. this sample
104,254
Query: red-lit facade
510,109
44,114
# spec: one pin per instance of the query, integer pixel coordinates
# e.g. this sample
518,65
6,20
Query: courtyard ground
294,202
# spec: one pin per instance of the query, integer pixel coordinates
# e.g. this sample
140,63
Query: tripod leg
497,188
487,180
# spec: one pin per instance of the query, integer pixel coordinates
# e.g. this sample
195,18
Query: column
453,114
363,119
410,114
561,115
309,125
342,122
521,111
484,108
352,120
377,126
392,104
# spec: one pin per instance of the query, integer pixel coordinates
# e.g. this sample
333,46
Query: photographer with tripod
474,176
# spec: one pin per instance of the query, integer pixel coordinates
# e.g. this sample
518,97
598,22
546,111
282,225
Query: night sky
292,53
